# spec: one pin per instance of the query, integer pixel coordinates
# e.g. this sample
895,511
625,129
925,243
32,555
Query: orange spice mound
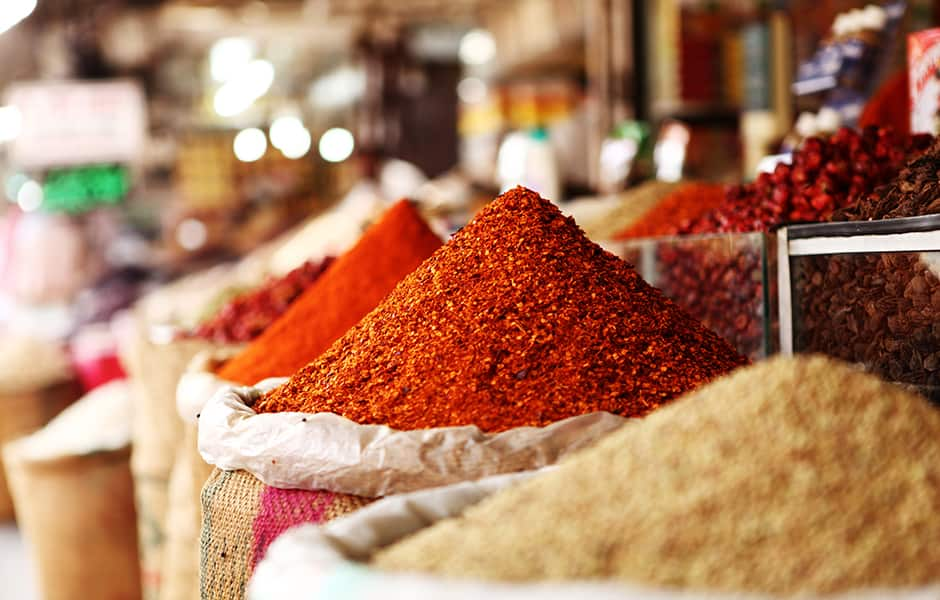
346,292
519,320
688,202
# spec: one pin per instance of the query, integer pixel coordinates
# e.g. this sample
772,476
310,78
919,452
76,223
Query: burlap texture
154,371
242,516
180,579
78,514
22,413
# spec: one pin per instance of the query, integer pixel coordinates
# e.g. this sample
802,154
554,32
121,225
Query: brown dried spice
519,320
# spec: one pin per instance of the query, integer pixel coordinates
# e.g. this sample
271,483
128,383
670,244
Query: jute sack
180,580
184,517
74,499
330,562
276,471
22,412
154,370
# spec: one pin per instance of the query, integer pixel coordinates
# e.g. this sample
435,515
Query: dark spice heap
915,192
519,320
245,316
676,212
722,286
347,291
793,476
879,309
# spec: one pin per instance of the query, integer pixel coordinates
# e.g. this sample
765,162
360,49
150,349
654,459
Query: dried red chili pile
245,316
676,211
826,175
519,320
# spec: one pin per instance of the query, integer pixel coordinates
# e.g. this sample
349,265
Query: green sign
81,189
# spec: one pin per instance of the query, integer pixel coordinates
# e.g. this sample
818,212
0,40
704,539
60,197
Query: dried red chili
346,292
519,320
245,316
826,175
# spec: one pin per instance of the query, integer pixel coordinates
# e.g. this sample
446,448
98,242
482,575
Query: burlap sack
281,470
330,562
24,412
242,516
78,514
180,577
154,371
180,580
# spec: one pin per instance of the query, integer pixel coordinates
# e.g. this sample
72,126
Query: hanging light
336,144
250,144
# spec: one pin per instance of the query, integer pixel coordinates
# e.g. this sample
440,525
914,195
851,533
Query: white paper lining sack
327,451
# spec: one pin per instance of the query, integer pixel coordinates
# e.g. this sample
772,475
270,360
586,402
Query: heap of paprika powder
676,211
352,286
519,320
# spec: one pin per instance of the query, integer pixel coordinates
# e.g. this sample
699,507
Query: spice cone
519,320
346,292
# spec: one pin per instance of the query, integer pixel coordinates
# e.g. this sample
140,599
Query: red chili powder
355,284
677,210
519,320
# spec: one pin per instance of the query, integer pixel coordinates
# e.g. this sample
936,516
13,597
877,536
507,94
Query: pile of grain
794,475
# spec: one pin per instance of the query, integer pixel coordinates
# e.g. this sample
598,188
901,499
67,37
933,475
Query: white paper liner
324,562
326,451
199,383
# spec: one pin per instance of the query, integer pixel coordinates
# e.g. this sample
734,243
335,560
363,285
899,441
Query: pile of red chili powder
351,287
519,320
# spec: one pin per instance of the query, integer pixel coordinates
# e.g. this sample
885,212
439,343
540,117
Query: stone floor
16,575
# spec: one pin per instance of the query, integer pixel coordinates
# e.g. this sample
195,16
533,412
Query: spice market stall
518,311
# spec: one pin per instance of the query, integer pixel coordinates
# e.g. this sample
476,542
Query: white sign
78,122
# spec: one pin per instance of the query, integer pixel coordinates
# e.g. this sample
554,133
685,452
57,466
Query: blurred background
143,139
